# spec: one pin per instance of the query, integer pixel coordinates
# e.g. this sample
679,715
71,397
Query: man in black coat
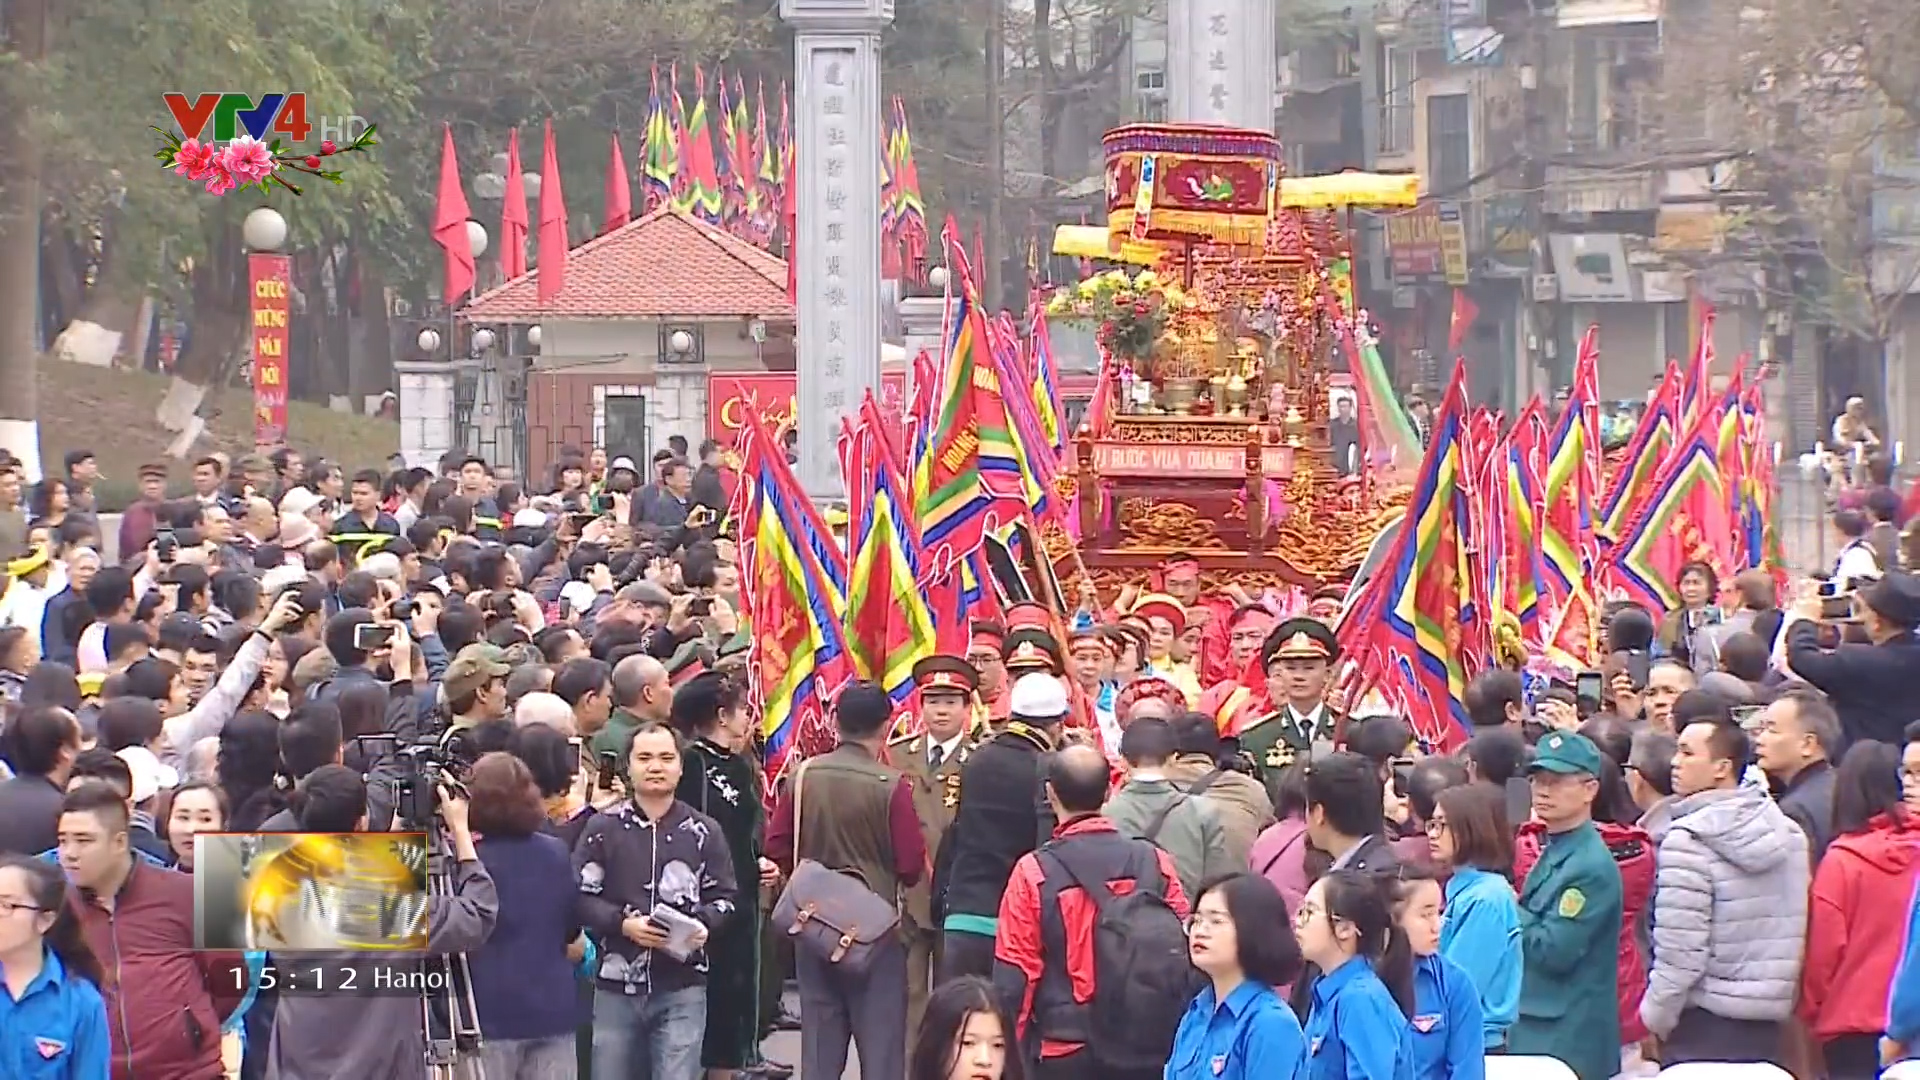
1002,814
1871,684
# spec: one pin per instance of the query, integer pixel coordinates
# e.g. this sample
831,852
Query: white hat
529,518
149,774
578,595
622,462
280,577
1037,696
299,500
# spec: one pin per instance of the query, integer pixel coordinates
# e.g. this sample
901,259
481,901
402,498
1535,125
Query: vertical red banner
270,288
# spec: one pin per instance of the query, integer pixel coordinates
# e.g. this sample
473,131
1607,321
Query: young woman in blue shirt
1357,1025
1447,1030
53,1021
1480,923
1237,1027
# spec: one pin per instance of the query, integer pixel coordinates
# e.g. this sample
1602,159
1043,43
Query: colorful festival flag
1648,447
888,625
704,198
660,168
1569,547
1686,517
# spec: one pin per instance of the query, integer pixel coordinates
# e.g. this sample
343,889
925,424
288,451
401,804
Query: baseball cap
1037,696
473,668
646,594
1566,753
529,518
150,776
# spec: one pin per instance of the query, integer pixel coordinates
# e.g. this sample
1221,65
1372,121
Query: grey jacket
1192,834
1729,910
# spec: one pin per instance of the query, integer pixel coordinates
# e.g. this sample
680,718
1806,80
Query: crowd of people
1095,849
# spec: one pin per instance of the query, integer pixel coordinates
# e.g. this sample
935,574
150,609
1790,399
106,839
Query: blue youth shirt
56,1030
1250,1034
1447,1042
1480,932
1355,1030
1903,994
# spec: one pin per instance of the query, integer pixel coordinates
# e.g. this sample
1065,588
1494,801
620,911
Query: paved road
784,1047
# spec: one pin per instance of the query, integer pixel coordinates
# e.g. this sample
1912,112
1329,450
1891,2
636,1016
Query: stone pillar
837,107
1221,67
426,411
922,317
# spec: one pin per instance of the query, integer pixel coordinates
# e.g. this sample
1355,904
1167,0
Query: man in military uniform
987,652
1570,910
1298,658
932,762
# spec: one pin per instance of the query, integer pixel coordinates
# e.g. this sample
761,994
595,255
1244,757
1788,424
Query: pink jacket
1279,855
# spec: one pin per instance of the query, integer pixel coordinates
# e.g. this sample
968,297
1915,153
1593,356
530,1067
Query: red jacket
166,1021
1017,946
1633,850
1855,926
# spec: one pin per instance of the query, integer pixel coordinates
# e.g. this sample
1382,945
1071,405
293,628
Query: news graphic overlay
294,893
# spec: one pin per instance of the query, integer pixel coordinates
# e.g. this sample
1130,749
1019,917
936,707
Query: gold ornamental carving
1160,431
1153,525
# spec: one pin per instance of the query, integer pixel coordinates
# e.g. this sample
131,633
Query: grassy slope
110,412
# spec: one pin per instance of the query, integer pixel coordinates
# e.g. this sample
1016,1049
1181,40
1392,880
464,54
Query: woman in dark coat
718,777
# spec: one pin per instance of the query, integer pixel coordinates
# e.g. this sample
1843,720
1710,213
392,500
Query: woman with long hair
19,651
54,1026
49,502
249,762
1450,1039
719,779
1857,916
1280,854
964,1035
1480,930
1357,1024
1238,1027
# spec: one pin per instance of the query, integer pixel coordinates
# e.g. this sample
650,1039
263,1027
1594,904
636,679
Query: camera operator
1871,684
326,1036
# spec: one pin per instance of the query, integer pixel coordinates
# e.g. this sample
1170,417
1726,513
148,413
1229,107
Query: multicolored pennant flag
1645,452
1686,517
763,195
1423,625
799,659
1569,547
1518,475
950,498
660,165
704,198
888,625
1046,383
910,208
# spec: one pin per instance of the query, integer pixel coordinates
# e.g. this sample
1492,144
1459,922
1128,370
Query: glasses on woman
8,907
1436,825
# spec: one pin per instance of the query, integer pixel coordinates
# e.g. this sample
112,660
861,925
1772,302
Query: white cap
299,500
622,463
529,519
149,774
1037,696
578,595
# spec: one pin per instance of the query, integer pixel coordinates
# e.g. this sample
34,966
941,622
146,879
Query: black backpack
1142,977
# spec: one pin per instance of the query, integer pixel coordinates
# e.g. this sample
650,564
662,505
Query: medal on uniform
50,1048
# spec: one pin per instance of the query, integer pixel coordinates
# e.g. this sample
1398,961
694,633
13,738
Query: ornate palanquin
1217,444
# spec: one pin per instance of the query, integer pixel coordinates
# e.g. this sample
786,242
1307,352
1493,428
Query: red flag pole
450,216
553,224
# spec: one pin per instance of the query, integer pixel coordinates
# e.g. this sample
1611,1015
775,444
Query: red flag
513,215
1464,312
619,191
450,216
553,224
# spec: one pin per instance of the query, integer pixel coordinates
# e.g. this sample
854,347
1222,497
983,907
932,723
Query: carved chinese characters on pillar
835,255
1219,39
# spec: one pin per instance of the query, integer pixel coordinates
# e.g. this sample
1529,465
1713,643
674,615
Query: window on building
1150,80
1153,110
1586,82
1396,100
1449,142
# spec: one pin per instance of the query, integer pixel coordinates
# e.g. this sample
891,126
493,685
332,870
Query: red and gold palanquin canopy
1191,183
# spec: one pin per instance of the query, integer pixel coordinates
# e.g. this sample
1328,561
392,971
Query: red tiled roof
667,264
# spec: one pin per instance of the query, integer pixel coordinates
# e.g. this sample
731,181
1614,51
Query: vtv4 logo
232,115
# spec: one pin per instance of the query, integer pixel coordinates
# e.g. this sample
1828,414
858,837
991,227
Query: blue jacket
1250,1034
57,1030
1355,1030
1447,1041
1481,934
523,984
1903,997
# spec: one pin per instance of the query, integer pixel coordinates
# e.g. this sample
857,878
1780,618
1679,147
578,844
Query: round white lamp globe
680,342
482,339
477,237
937,277
264,229
533,336
429,340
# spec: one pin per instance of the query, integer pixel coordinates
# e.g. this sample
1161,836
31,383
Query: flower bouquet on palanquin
1130,313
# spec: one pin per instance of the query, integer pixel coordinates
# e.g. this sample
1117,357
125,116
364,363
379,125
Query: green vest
1570,910
845,799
